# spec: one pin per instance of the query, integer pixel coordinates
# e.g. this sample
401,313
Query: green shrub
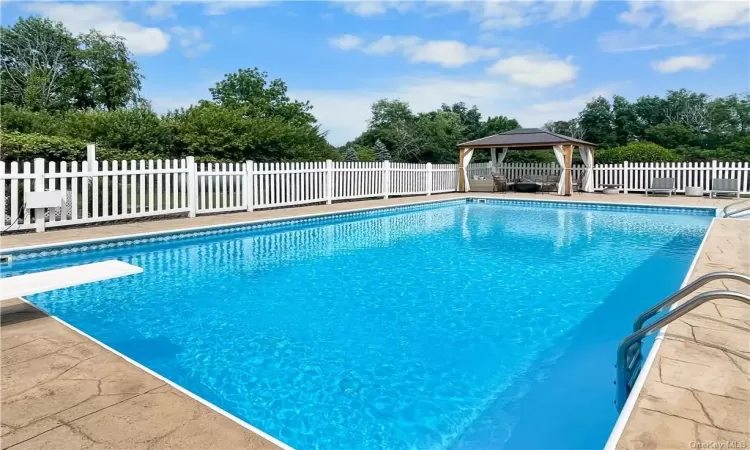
16,146
635,152
366,154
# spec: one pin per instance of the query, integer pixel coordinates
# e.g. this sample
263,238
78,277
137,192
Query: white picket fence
96,191
633,177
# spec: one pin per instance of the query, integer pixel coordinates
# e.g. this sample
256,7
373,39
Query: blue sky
531,60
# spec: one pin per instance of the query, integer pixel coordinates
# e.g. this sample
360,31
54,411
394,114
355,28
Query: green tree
44,67
636,152
437,134
366,154
497,125
106,75
470,119
651,110
226,134
689,109
381,151
351,154
596,121
730,115
250,91
571,128
37,57
389,113
670,135
625,120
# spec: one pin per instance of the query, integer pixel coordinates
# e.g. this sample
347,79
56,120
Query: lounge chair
725,186
549,183
661,186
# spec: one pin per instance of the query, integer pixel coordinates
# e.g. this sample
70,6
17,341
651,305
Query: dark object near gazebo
527,186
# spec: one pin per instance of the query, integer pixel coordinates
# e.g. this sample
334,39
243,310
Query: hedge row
15,146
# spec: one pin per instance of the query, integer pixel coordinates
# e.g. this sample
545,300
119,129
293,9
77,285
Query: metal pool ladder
629,355
733,213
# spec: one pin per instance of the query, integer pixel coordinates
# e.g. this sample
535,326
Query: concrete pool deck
62,390
697,393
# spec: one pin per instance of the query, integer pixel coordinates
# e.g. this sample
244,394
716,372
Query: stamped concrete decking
697,393
61,390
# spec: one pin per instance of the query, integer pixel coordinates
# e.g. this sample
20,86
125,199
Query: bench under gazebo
530,139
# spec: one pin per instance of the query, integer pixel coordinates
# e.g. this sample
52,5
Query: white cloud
445,53
191,40
685,62
666,23
569,107
219,8
160,10
697,15
638,14
424,94
346,42
448,53
106,18
375,8
639,40
535,70
503,15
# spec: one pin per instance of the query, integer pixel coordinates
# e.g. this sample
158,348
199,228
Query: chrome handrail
682,293
625,369
730,214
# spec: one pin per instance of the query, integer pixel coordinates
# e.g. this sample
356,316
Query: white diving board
49,280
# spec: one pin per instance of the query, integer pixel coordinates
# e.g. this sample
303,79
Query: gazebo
530,139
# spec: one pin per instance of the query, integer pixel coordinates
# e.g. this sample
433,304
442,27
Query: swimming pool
454,325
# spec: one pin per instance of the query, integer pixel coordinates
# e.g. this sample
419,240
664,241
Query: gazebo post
461,181
568,153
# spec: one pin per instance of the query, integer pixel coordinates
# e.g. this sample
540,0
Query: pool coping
629,406
627,409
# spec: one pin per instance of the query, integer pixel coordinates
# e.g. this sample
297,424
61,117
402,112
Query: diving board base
50,280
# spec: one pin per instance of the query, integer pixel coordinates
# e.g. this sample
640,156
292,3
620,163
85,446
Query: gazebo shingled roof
524,138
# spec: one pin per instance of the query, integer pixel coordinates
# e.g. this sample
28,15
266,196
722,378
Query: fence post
713,174
247,185
625,177
39,187
192,182
386,181
428,183
90,165
329,181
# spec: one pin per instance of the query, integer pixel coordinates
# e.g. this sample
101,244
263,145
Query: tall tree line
685,125
682,125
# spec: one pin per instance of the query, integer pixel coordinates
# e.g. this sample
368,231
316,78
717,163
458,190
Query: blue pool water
456,326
